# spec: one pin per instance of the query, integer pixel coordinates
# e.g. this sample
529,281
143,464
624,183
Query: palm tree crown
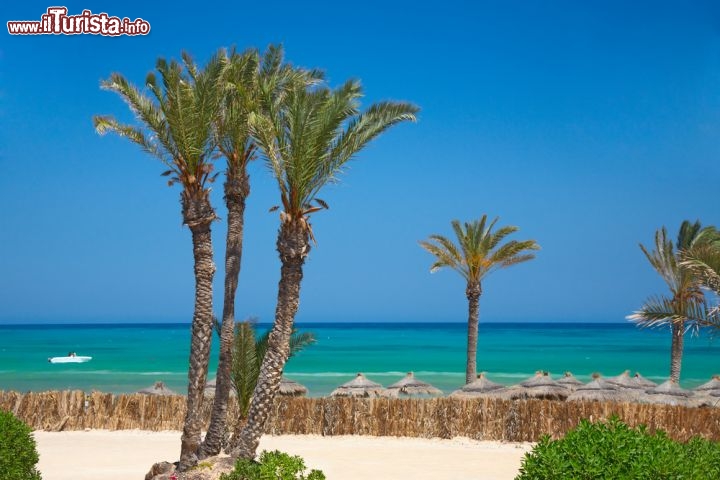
312,133
176,122
686,302
479,250
254,83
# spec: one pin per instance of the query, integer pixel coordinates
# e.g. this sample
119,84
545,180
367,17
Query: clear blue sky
587,124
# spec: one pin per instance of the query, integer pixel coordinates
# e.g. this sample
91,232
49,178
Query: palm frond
446,255
300,340
217,325
703,259
662,311
105,123
662,258
245,365
261,345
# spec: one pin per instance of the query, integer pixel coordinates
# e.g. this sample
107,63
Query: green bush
614,451
272,466
18,454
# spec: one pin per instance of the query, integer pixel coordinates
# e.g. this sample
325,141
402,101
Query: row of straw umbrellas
621,388
360,386
287,387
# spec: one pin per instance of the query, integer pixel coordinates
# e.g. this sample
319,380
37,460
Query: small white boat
69,359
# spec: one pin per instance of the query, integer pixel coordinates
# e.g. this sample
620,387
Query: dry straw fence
483,419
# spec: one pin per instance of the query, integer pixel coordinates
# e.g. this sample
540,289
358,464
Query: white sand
128,455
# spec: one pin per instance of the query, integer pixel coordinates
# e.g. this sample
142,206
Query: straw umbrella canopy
668,393
599,390
291,388
358,387
624,380
158,388
711,386
707,394
542,386
481,387
411,386
569,381
644,382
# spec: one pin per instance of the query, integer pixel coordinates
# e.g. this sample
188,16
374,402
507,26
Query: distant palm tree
306,139
176,127
686,307
478,253
250,82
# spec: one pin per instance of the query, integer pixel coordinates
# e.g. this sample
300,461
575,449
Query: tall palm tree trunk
676,350
237,189
472,292
293,247
198,215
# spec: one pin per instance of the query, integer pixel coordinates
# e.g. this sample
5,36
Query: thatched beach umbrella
158,388
358,387
668,393
411,386
707,394
599,390
569,381
644,382
291,388
624,380
481,387
541,385
710,386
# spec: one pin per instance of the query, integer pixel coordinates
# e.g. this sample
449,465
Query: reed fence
481,419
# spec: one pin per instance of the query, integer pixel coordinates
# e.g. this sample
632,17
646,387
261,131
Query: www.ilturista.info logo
57,22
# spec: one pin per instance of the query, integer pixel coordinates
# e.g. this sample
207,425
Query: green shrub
18,454
272,466
614,451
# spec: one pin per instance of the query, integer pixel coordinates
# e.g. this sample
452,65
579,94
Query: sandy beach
128,454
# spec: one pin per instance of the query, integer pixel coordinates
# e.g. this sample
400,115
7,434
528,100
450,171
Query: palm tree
250,82
249,352
176,127
685,308
479,252
306,139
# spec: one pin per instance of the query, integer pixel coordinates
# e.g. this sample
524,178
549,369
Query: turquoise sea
128,357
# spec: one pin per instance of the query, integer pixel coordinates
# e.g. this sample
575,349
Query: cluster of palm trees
691,268
243,105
